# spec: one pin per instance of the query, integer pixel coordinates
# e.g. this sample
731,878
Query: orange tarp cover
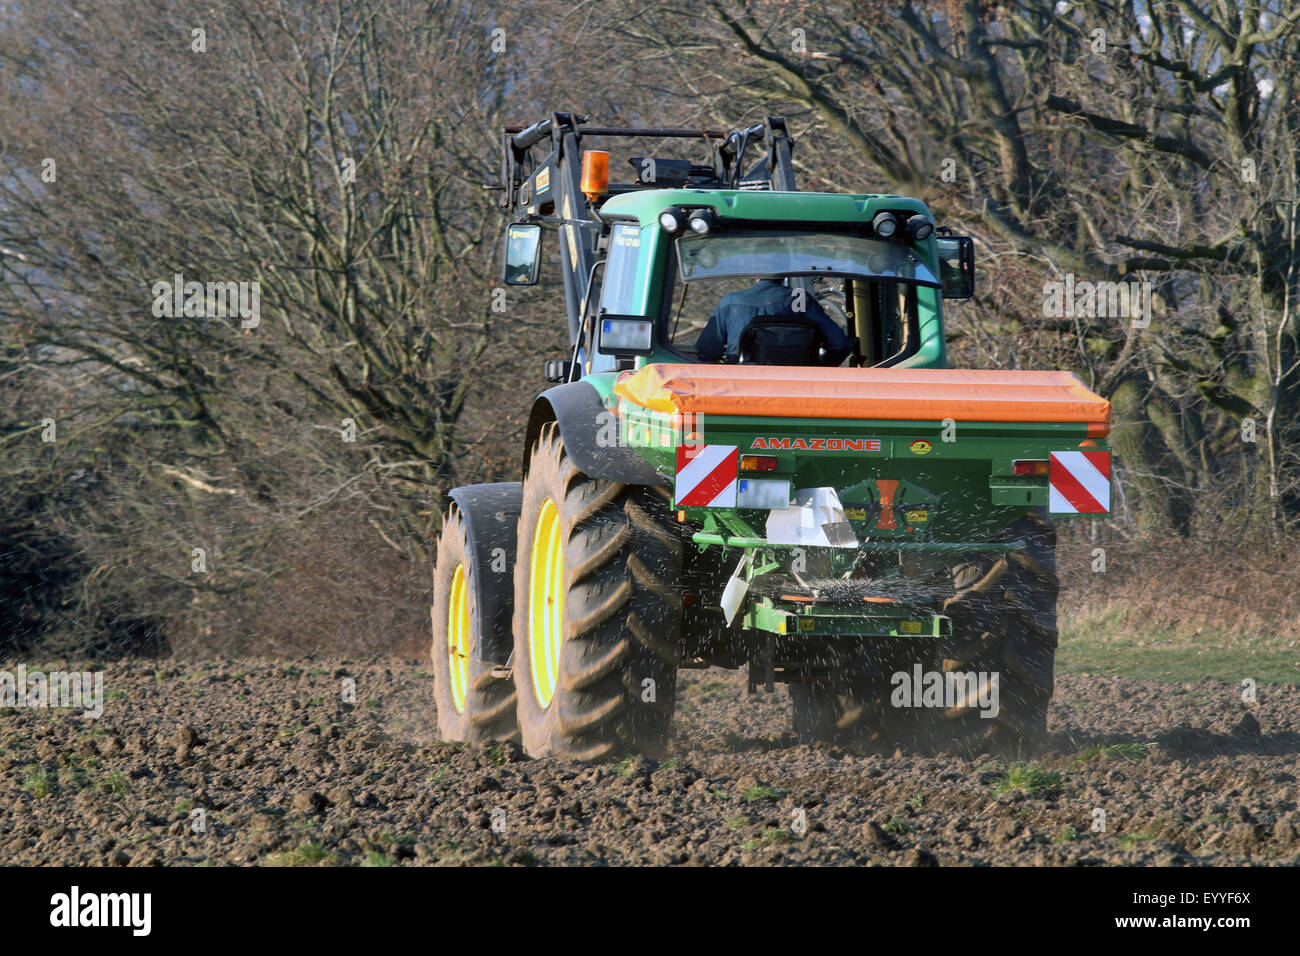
879,393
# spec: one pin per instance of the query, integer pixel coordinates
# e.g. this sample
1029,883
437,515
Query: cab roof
645,205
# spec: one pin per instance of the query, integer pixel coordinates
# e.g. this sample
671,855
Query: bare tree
317,166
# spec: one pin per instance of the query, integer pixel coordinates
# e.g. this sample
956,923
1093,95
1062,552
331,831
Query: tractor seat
780,340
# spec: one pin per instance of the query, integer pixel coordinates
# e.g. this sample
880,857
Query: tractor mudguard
576,407
491,514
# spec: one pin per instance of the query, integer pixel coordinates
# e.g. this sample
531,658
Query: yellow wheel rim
546,603
458,639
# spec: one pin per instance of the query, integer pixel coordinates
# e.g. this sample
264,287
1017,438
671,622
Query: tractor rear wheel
1004,625
598,611
473,706
855,713
1003,612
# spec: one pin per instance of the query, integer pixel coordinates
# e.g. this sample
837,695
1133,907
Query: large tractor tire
1004,624
856,713
473,705
598,611
1003,611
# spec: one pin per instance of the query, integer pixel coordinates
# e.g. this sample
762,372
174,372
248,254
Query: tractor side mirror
523,256
956,265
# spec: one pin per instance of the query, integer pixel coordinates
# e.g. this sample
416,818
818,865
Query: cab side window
619,292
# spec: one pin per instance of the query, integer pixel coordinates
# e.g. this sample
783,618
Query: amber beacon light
595,173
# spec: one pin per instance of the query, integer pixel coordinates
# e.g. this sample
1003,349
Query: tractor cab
870,266
647,262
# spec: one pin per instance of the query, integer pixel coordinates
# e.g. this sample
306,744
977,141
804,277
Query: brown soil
284,772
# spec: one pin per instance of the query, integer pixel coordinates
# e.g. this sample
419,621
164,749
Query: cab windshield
791,253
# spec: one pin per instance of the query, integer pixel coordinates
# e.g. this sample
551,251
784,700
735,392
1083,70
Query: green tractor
877,531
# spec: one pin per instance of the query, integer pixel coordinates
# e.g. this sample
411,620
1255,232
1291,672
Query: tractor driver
768,296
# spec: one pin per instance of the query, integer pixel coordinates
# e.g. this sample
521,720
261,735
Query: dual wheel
597,619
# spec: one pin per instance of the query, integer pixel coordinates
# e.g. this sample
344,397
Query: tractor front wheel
473,705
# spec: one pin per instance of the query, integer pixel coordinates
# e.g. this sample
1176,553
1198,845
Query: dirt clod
312,802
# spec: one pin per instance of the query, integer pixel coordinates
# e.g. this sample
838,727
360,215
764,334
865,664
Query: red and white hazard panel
706,476
1079,483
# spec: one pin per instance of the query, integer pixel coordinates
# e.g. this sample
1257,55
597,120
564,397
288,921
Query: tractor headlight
884,224
671,219
918,227
701,221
